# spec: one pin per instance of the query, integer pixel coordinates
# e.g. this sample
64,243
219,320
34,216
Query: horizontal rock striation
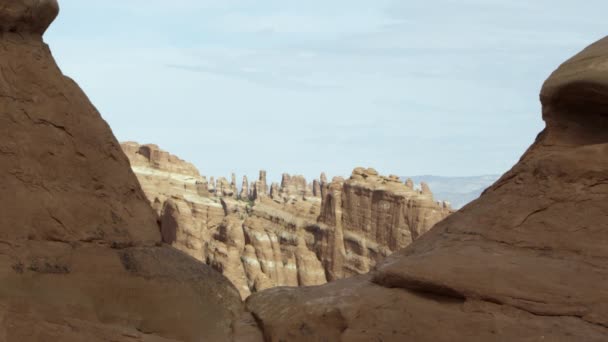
285,234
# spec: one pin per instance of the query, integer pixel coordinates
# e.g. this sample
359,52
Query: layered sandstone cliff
527,261
81,257
368,217
286,234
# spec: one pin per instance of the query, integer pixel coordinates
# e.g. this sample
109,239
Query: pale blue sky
439,87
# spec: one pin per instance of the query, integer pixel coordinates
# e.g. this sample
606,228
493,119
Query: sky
443,87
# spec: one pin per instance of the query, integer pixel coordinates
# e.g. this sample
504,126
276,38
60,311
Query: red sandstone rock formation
294,187
81,257
525,262
82,261
368,217
288,237
245,195
260,187
237,240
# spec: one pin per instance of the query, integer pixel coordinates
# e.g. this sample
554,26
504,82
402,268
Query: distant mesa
458,191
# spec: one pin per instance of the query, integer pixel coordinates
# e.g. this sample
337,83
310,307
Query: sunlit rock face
524,262
286,234
369,216
81,257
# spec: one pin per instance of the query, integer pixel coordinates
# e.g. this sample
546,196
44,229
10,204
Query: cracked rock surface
527,261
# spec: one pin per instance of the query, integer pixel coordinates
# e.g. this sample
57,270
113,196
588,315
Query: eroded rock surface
525,262
285,234
368,217
81,257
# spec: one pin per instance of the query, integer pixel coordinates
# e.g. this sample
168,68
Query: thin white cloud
407,86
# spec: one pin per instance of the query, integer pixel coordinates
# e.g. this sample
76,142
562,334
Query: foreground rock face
288,234
525,262
81,257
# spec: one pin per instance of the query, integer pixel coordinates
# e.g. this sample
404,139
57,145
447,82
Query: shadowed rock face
527,261
575,99
80,251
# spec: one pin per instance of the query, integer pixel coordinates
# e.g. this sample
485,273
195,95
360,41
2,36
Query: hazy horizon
439,87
